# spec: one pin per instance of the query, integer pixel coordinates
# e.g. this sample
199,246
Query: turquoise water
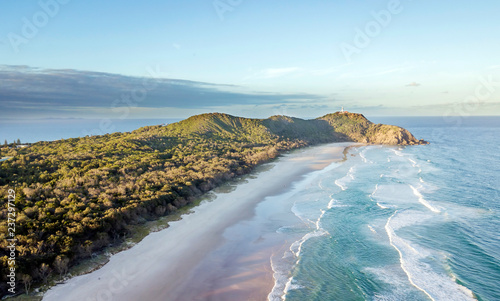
391,223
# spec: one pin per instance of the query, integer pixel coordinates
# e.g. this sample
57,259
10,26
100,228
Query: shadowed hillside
334,127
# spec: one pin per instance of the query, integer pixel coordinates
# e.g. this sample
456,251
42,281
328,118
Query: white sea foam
340,206
283,284
296,247
351,172
372,197
282,279
339,184
287,288
319,219
412,259
399,288
362,156
342,182
393,195
423,201
298,213
397,152
375,190
319,185
332,204
382,206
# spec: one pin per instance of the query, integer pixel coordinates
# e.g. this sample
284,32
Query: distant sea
400,223
56,129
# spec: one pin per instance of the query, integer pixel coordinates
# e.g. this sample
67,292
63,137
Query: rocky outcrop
390,134
359,129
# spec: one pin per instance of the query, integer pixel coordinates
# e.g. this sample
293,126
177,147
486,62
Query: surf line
390,233
423,201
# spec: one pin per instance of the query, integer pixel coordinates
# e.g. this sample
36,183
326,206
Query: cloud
413,84
25,89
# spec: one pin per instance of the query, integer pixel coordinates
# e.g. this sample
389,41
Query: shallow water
393,223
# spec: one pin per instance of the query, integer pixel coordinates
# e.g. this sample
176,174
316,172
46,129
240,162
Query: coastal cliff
359,129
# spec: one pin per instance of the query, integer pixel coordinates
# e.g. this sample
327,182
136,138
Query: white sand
165,264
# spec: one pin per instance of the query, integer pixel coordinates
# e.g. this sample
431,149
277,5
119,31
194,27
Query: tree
26,279
44,272
5,143
18,141
61,265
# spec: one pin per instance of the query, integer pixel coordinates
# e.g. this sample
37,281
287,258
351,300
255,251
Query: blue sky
249,58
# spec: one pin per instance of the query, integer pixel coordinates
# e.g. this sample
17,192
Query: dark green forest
76,196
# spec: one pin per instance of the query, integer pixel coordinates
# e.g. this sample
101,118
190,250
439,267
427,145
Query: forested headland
76,196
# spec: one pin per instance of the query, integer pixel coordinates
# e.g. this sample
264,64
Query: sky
169,59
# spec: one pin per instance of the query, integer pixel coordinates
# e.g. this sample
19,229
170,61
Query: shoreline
204,241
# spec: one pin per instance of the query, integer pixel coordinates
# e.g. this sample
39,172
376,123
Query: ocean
30,131
399,223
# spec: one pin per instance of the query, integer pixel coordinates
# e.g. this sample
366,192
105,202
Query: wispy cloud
278,72
273,73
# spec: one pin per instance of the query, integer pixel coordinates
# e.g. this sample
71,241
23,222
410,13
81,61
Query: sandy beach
221,251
